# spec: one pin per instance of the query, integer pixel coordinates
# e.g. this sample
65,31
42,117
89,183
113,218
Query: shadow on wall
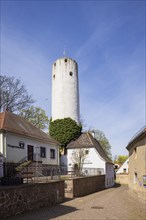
45,213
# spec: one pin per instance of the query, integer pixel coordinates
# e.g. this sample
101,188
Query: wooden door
30,152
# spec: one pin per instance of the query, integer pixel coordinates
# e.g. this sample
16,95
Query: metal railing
37,172
22,160
92,171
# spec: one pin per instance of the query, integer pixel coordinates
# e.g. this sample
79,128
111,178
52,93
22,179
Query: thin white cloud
122,113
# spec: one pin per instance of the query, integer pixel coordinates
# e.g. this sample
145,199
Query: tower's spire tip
64,52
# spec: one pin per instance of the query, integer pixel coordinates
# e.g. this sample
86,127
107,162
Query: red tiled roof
14,123
86,140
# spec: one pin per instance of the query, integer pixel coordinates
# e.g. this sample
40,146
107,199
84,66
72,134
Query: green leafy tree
120,159
100,136
13,95
36,116
64,130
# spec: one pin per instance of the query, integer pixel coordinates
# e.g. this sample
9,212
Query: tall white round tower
65,89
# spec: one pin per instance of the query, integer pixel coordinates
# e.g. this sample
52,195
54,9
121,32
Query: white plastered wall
124,168
93,160
65,89
17,154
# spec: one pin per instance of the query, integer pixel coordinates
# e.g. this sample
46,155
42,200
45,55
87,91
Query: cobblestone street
115,203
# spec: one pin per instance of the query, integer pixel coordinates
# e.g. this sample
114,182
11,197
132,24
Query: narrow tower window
65,60
54,64
53,76
70,73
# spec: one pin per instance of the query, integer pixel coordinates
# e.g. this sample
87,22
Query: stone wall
84,185
137,167
122,178
17,199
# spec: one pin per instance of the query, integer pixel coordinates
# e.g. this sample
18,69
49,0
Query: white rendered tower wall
65,89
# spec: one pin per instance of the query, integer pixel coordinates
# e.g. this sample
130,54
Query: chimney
93,133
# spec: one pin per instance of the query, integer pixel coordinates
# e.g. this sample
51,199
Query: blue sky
106,38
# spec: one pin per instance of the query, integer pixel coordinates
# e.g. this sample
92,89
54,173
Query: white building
96,163
65,89
22,141
124,168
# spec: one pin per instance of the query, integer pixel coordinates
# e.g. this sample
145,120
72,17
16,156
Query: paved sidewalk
113,204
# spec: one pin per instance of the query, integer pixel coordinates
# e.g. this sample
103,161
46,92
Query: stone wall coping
85,177
27,185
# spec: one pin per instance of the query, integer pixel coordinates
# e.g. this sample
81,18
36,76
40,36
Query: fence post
1,165
27,174
51,174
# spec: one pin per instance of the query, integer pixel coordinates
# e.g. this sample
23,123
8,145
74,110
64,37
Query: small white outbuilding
124,168
96,161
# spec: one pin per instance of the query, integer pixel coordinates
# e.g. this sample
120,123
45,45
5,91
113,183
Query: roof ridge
102,150
90,137
143,129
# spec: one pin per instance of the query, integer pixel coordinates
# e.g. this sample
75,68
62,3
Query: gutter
137,137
